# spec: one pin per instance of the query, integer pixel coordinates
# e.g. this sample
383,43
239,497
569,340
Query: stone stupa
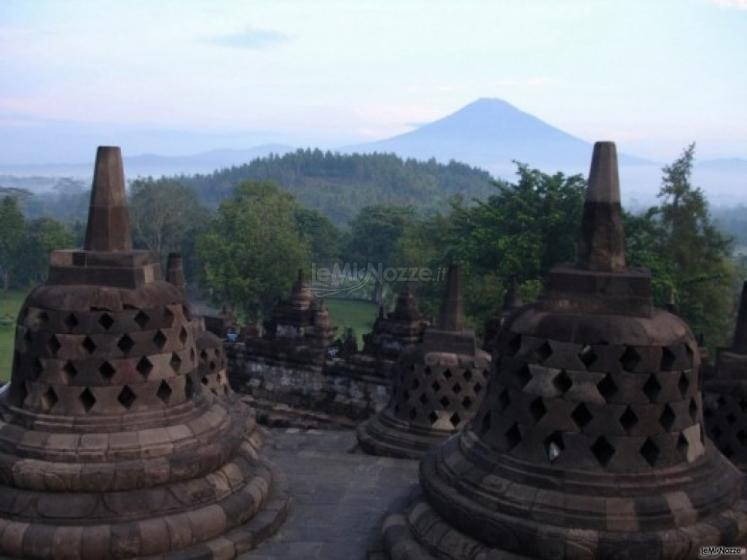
725,393
437,385
111,447
589,443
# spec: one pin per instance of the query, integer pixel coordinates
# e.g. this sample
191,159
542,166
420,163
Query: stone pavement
339,496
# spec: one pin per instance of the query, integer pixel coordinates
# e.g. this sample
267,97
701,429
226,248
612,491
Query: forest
245,231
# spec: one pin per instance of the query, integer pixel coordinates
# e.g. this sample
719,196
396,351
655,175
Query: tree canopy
340,185
251,250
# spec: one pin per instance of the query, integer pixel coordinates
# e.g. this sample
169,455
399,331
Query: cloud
738,4
253,38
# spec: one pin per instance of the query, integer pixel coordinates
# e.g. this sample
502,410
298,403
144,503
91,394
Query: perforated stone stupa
111,447
437,385
590,441
726,394
394,332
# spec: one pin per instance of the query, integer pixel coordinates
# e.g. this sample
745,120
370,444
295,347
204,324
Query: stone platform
339,496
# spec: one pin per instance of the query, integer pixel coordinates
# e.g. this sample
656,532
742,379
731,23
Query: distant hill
145,165
339,185
491,133
204,162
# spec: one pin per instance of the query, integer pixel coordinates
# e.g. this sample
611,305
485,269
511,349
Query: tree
44,235
164,214
321,235
698,255
251,251
375,232
12,228
524,229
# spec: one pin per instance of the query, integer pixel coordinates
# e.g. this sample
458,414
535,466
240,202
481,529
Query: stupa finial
451,317
175,270
108,218
602,243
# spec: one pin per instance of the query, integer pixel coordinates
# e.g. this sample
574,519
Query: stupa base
417,532
245,537
390,437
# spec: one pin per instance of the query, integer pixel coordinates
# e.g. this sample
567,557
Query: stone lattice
437,386
726,394
111,447
590,440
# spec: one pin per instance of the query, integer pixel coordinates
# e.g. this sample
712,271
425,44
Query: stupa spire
451,317
601,245
108,218
175,270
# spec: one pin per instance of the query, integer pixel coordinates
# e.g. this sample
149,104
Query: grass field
10,304
358,315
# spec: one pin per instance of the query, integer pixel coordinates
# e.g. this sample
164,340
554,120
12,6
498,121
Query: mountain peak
491,133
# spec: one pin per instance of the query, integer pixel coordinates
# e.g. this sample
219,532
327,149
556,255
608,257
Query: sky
180,76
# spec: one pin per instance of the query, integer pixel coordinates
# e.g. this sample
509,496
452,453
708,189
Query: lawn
10,304
358,315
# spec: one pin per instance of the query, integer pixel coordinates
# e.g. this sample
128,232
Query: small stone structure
111,448
175,271
437,386
392,334
725,394
286,371
590,440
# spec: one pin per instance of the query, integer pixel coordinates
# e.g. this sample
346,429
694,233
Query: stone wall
305,394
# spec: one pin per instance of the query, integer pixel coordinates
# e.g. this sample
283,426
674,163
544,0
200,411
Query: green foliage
321,235
251,251
340,185
12,229
375,232
10,305
525,228
687,254
167,217
43,235
522,230
163,213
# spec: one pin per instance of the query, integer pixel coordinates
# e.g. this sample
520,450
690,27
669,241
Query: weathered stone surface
590,440
105,411
294,377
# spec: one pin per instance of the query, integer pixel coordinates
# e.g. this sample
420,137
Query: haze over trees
243,244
